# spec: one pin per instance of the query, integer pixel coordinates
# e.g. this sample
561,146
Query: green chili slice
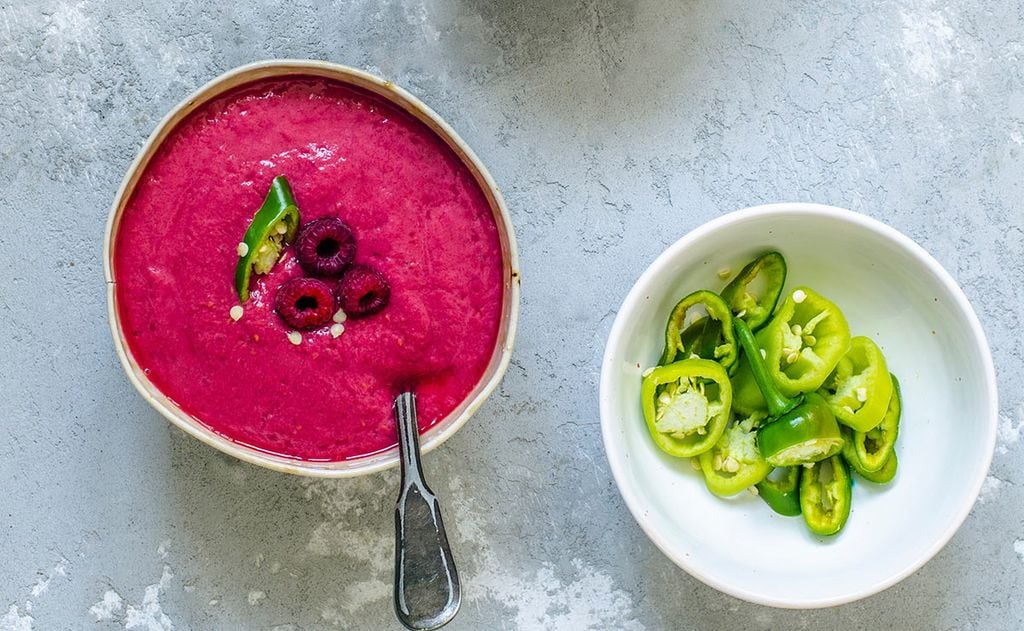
825,496
708,337
686,405
782,494
860,387
804,341
876,445
769,270
273,226
734,463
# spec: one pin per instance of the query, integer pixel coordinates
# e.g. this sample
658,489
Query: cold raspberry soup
417,217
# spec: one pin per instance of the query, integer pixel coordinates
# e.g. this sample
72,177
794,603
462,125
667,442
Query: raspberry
325,247
363,291
305,303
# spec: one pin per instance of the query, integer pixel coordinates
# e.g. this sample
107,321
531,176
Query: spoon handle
427,592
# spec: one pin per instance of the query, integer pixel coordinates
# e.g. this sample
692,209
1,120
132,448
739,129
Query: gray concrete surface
614,127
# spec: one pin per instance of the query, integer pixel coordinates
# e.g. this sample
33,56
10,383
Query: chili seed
753,490
242,249
295,337
797,330
862,394
695,463
810,340
799,296
236,312
337,329
724,273
792,357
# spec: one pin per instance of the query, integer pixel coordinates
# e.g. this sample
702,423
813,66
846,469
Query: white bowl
891,290
500,357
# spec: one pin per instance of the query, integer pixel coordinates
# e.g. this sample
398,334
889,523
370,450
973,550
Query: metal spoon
427,592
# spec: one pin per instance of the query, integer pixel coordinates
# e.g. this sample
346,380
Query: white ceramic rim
636,294
446,427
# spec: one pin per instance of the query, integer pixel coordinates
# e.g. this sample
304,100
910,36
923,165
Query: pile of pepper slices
780,401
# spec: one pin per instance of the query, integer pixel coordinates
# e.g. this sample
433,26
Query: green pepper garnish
734,463
859,388
876,445
804,341
883,475
702,337
800,430
782,494
273,227
686,405
769,270
713,339
825,495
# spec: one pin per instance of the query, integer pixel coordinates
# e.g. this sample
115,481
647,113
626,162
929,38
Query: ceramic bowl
396,95
891,290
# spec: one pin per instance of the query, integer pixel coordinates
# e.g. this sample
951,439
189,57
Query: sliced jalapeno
859,388
769,270
734,463
714,339
809,433
273,226
804,341
825,496
876,445
782,494
883,475
686,405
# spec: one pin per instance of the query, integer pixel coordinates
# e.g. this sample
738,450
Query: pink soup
417,214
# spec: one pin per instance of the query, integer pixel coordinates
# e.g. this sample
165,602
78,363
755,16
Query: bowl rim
620,328
501,355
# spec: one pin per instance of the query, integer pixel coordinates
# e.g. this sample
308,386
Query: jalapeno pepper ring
713,339
734,463
882,475
825,496
804,341
885,474
783,494
860,387
273,226
686,405
769,270
876,445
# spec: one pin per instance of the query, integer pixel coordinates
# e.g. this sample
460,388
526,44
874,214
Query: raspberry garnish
325,247
305,303
363,291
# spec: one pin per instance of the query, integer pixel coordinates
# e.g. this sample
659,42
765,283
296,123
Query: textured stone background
614,127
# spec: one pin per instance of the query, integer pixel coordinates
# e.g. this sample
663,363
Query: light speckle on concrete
613,128
106,608
1009,430
989,489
